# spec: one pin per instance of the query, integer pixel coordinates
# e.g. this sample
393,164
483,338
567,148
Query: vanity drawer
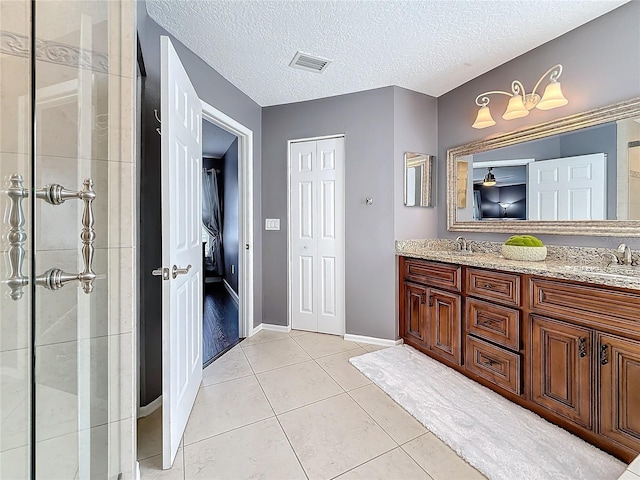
433,273
498,365
593,306
489,285
493,322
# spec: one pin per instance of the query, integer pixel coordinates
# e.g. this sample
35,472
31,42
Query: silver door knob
180,271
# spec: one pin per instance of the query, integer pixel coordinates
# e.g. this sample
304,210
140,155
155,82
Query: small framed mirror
418,180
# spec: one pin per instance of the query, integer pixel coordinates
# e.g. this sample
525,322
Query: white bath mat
499,438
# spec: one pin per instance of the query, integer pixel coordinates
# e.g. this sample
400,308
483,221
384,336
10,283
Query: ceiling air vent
309,62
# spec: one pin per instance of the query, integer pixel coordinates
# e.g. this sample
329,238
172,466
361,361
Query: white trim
276,328
150,408
289,143
503,163
372,340
255,330
231,291
312,139
245,212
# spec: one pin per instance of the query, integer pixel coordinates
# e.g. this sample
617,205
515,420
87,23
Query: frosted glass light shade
484,118
552,97
515,108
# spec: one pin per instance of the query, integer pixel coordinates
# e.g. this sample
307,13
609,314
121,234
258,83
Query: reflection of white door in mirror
569,188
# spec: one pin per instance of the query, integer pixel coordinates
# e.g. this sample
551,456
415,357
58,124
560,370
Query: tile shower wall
84,344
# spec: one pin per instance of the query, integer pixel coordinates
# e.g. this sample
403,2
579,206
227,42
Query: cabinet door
415,312
619,361
561,369
444,332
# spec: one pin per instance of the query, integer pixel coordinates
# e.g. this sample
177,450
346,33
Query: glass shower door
15,298
66,242
76,171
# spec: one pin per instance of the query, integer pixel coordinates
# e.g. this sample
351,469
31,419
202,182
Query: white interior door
317,236
181,249
570,188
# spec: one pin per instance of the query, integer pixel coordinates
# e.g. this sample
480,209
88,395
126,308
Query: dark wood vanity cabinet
585,359
431,315
619,389
566,350
415,308
444,322
561,369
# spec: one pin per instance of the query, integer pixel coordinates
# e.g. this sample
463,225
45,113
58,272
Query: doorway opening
220,246
244,268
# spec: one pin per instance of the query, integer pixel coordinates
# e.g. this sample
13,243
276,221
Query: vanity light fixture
521,102
489,178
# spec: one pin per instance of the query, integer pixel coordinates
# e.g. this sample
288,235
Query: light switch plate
272,224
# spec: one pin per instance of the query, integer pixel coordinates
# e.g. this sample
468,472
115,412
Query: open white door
181,249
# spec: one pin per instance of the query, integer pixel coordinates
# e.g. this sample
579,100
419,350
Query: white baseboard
276,328
372,340
255,330
149,409
137,470
234,295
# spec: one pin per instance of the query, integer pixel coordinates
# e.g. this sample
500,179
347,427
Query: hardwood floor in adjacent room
220,322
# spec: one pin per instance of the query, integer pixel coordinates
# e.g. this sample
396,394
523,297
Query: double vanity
559,337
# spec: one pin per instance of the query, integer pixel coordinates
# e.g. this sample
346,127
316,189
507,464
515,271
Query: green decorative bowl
527,254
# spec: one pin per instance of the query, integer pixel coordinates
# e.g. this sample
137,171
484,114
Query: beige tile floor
290,406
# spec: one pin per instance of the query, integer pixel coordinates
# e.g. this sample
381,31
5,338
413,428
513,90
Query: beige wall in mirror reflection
628,178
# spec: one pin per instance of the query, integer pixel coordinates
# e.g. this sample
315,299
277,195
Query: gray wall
379,125
415,129
224,96
366,118
601,66
230,215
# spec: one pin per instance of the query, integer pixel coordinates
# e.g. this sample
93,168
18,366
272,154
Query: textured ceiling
430,46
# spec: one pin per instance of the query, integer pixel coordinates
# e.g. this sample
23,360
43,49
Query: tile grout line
399,445
292,448
281,427
228,431
184,463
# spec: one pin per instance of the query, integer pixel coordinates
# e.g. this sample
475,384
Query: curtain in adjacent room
212,219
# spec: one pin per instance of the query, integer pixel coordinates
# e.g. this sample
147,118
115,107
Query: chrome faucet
626,254
462,244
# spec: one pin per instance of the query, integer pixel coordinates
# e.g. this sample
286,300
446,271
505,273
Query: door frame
289,261
245,212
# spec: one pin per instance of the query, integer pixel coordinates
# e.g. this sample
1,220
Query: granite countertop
570,263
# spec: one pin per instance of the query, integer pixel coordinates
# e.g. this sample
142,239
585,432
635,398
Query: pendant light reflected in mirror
489,178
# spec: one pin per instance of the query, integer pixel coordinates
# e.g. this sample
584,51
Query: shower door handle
17,237
54,278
